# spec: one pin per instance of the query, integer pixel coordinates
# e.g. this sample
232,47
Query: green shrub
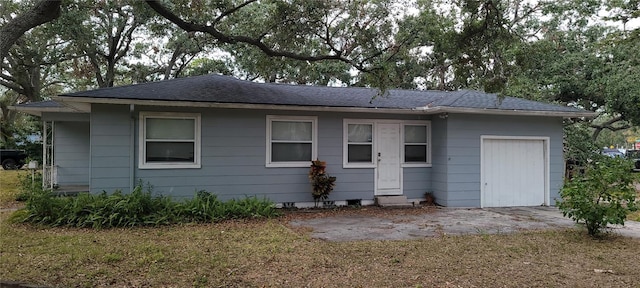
205,207
604,194
138,208
250,207
29,183
321,183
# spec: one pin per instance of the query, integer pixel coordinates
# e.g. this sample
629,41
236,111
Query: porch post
44,153
52,170
48,172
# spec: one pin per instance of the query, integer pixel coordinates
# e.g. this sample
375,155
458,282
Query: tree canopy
572,52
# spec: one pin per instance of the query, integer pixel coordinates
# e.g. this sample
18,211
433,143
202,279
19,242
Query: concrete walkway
445,221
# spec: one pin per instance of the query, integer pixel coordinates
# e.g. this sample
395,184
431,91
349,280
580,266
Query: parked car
12,159
612,153
634,155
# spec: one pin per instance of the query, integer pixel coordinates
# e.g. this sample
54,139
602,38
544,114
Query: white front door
388,171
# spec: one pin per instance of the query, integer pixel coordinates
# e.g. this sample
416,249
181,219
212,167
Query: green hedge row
138,208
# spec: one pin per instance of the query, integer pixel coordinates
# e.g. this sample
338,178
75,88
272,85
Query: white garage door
514,172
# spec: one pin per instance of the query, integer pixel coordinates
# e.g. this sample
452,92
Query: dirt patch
11,206
422,222
373,211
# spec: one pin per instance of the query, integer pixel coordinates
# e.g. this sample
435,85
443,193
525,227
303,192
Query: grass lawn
635,216
268,253
9,186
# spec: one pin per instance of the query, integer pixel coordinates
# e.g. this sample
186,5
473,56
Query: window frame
345,144
374,123
403,144
142,140
314,140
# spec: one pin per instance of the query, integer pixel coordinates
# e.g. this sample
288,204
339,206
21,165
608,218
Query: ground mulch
373,211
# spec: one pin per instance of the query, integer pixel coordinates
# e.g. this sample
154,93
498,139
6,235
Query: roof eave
83,101
67,99
513,112
37,111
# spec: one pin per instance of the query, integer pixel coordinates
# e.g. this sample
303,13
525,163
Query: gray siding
110,148
71,153
233,158
67,117
416,182
234,147
463,151
439,159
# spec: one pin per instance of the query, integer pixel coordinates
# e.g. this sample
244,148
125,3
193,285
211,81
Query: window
291,141
358,150
169,140
416,148
360,145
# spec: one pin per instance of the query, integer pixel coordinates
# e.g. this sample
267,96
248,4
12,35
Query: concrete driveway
444,221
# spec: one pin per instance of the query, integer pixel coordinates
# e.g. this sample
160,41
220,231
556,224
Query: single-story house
237,138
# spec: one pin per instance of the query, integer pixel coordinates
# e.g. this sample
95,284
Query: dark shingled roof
226,89
42,104
36,108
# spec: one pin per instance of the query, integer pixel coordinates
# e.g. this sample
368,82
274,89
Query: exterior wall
110,148
463,151
71,152
439,156
233,157
234,147
416,182
67,117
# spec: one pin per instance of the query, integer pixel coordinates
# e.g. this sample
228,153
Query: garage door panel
513,172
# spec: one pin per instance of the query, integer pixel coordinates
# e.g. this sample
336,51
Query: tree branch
96,65
172,62
231,39
126,41
13,86
609,126
234,9
42,12
7,77
183,65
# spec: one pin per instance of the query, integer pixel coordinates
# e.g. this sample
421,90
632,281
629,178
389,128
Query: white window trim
142,164
429,141
345,143
314,140
374,122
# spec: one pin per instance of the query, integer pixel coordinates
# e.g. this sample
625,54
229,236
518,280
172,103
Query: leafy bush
206,207
578,143
28,183
604,194
139,208
321,183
